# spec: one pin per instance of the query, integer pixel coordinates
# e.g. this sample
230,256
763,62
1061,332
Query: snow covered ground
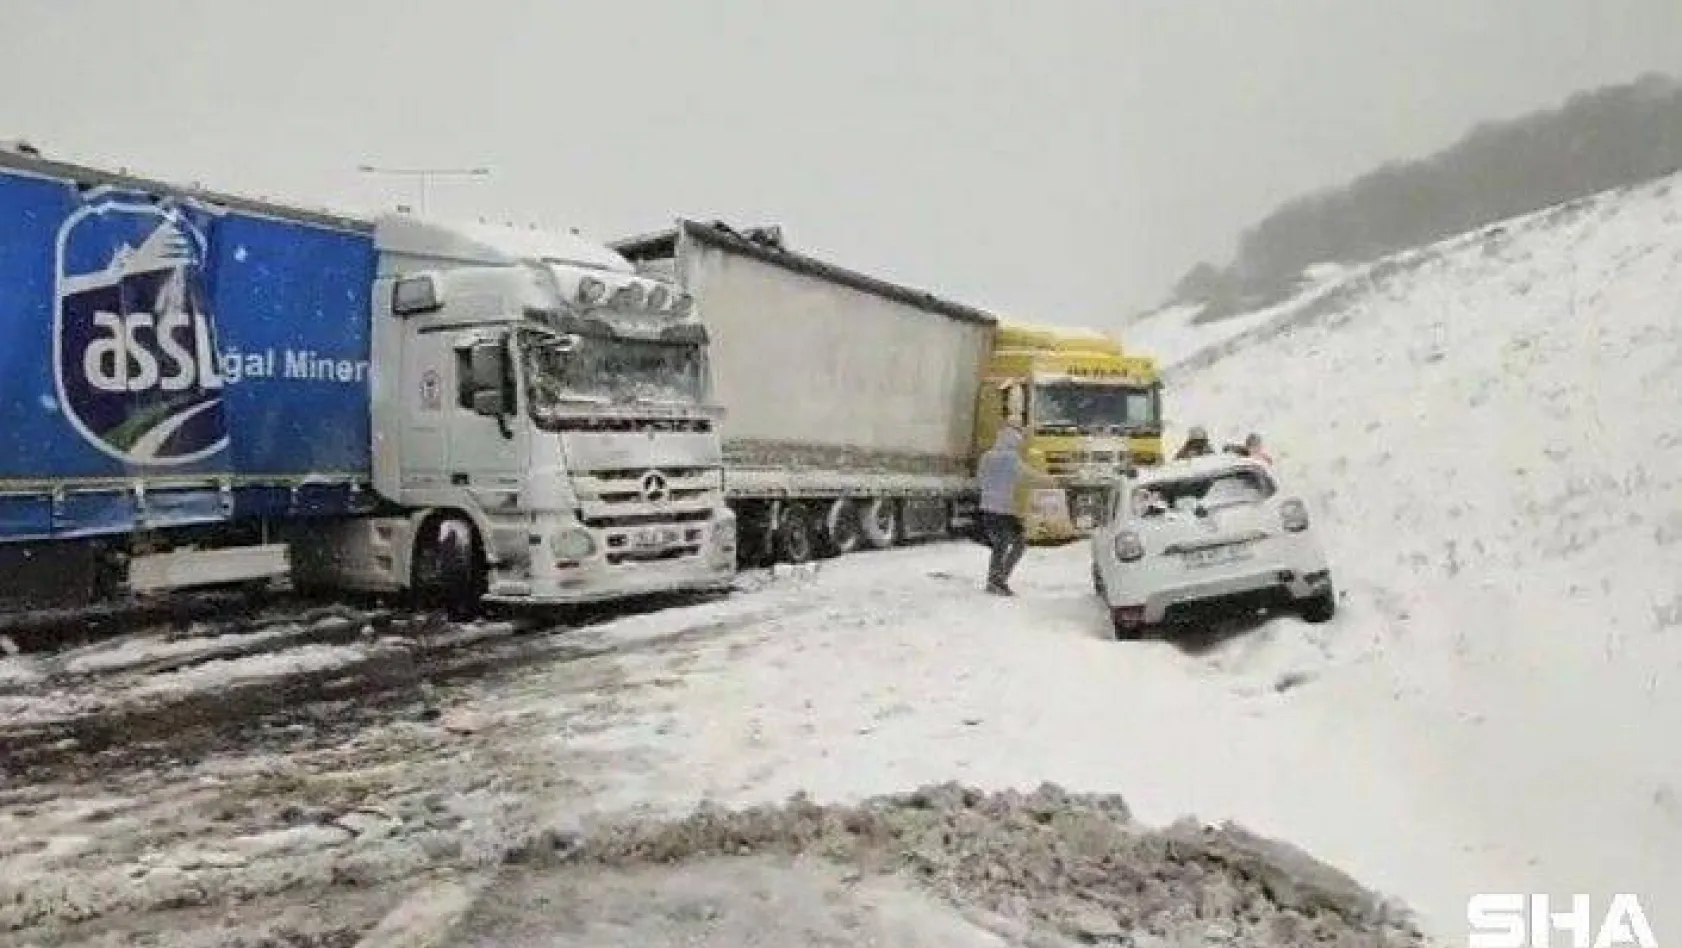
1486,430
1490,428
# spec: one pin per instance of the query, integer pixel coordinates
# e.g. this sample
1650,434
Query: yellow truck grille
1065,463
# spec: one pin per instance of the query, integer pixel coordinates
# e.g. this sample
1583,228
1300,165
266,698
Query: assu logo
135,341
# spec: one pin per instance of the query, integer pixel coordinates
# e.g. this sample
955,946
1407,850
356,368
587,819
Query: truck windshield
597,369
1089,408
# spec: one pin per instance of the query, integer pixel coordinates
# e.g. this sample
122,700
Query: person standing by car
1253,449
1196,446
999,474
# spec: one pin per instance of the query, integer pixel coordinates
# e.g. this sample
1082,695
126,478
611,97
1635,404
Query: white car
1207,533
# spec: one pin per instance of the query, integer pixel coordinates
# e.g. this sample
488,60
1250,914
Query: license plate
653,539
1083,522
1216,555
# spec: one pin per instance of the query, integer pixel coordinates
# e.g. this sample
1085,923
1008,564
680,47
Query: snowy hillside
1173,334
1491,429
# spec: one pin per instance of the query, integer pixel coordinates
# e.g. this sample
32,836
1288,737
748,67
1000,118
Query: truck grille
1069,463
638,527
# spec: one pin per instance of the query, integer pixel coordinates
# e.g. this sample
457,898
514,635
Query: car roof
1207,466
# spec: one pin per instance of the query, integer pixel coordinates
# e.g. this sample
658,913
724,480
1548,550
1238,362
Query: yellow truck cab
1084,404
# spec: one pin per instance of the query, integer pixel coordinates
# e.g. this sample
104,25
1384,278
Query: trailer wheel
880,523
449,571
796,540
842,532
755,544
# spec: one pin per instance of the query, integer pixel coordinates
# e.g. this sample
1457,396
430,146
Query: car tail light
1294,515
1127,546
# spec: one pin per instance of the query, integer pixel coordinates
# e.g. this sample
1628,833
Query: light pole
425,176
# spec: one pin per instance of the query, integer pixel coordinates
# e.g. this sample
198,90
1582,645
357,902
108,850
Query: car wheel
1320,607
1126,630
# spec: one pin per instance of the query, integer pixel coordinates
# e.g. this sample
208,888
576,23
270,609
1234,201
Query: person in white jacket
999,473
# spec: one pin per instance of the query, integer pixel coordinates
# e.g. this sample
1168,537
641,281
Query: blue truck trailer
199,389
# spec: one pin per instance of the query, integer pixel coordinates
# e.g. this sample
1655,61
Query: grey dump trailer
849,401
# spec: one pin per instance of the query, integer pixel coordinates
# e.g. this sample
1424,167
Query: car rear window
1243,486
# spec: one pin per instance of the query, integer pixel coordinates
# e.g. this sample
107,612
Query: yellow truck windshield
1090,408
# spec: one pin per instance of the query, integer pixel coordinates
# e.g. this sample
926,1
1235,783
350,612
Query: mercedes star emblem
654,487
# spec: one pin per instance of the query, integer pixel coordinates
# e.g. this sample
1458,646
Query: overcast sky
1060,161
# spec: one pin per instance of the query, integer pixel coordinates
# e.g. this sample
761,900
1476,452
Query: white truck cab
542,426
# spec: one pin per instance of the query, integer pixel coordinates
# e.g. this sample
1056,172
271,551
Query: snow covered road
1358,740
875,674
883,672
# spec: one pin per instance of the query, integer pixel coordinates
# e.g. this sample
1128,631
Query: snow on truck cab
1210,532
1089,409
567,393
202,389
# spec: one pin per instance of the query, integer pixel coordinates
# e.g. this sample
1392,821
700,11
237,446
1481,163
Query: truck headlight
1050,504
1128,547
574,544
724,531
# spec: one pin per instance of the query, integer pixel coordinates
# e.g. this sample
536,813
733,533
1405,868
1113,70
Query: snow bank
1489,434
1036,868
19,673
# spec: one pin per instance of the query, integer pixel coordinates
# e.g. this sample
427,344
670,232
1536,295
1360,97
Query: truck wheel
755,545
449,567
841,528
795,537
880,523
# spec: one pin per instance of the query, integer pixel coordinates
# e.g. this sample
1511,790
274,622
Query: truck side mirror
416,296
1013,403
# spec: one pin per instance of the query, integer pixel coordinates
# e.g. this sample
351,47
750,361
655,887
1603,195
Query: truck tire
796,538
449,570
756,546
880,523
842,534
